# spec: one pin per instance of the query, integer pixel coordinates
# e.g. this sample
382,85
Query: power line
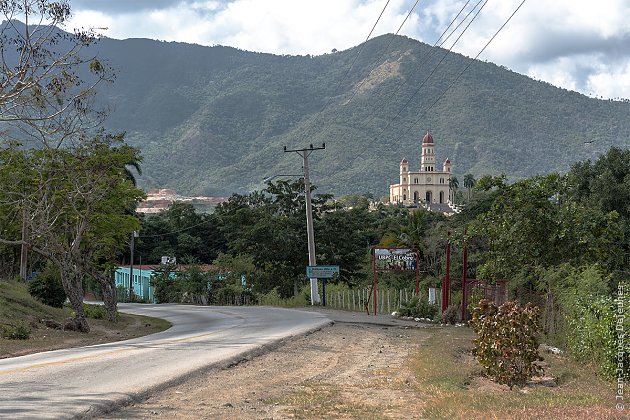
357,156
468,66
444,56
356,57
175,231
434,51
354,93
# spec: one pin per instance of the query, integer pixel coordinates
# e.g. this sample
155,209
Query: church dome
427,139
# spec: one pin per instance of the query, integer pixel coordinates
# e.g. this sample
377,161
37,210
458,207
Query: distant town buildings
159,199
428,187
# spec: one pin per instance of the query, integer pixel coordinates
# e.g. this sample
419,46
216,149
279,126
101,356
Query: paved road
76,382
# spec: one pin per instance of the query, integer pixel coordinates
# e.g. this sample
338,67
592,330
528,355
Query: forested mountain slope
214,120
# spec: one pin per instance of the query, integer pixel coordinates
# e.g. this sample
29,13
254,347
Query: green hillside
214,120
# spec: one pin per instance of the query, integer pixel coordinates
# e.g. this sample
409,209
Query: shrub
19,331
451,315
596,335
418,308
506,344
95,311
122,293
273,298
47,287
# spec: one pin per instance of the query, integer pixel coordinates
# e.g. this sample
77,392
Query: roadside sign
322,271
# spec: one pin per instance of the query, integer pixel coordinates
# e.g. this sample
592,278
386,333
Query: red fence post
446,282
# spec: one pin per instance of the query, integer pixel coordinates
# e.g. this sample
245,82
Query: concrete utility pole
134,235
24,250
305,153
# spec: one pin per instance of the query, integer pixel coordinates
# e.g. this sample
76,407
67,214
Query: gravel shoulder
349,369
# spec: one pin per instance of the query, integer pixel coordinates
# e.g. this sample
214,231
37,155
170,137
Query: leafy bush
418,308
451,315
19,331
122,293
273,298
506,344
95,311
596,328
47,287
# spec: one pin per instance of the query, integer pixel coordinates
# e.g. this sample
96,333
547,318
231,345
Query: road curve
79,381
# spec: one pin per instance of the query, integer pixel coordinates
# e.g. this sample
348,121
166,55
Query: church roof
447,160
427,139
403,161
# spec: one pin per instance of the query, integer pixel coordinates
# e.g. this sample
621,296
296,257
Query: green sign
322,271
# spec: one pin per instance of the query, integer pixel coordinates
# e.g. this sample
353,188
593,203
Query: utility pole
134,235
305,153
24,250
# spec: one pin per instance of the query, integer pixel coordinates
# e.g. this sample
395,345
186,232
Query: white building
427,186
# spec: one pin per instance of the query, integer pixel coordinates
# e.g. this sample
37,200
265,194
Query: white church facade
428,186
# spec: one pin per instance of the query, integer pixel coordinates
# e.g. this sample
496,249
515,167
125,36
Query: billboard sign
395,259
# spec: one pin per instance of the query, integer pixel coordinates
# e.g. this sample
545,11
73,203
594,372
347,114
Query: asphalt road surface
85,380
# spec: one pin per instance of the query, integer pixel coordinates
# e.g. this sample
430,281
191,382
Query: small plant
47,287
506,344
19,331
95,311
418,308
451,315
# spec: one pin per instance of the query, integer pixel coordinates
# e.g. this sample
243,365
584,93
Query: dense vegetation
65,189
213,120
560,242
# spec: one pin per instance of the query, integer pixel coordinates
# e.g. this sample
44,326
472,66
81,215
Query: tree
180,231
49,116
453,185
469,183
76,201
529,227
46,85
269,226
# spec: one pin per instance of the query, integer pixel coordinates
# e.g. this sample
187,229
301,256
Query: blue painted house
141,280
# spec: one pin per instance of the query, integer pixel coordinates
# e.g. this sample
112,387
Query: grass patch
325,401
452,385
18,307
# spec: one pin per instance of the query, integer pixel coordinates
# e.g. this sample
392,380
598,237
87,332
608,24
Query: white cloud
611,82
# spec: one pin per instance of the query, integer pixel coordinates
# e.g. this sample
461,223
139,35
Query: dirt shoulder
345,370
356,368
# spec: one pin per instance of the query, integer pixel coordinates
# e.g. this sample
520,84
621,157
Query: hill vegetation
213,120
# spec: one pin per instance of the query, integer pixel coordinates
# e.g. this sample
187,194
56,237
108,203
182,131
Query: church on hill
429,186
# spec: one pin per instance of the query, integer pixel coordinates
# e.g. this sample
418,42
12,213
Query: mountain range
214,120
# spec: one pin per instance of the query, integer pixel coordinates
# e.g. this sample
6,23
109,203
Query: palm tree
453,185
469,183
129,174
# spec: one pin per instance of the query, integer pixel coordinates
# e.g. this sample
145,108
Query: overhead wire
389,44
356,57
434,51
449,50
467,67
174,231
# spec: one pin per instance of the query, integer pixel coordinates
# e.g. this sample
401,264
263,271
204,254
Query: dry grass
452,386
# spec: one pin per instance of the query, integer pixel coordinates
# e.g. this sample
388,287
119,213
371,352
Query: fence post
389,308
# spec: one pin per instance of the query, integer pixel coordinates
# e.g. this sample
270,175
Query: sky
580,45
